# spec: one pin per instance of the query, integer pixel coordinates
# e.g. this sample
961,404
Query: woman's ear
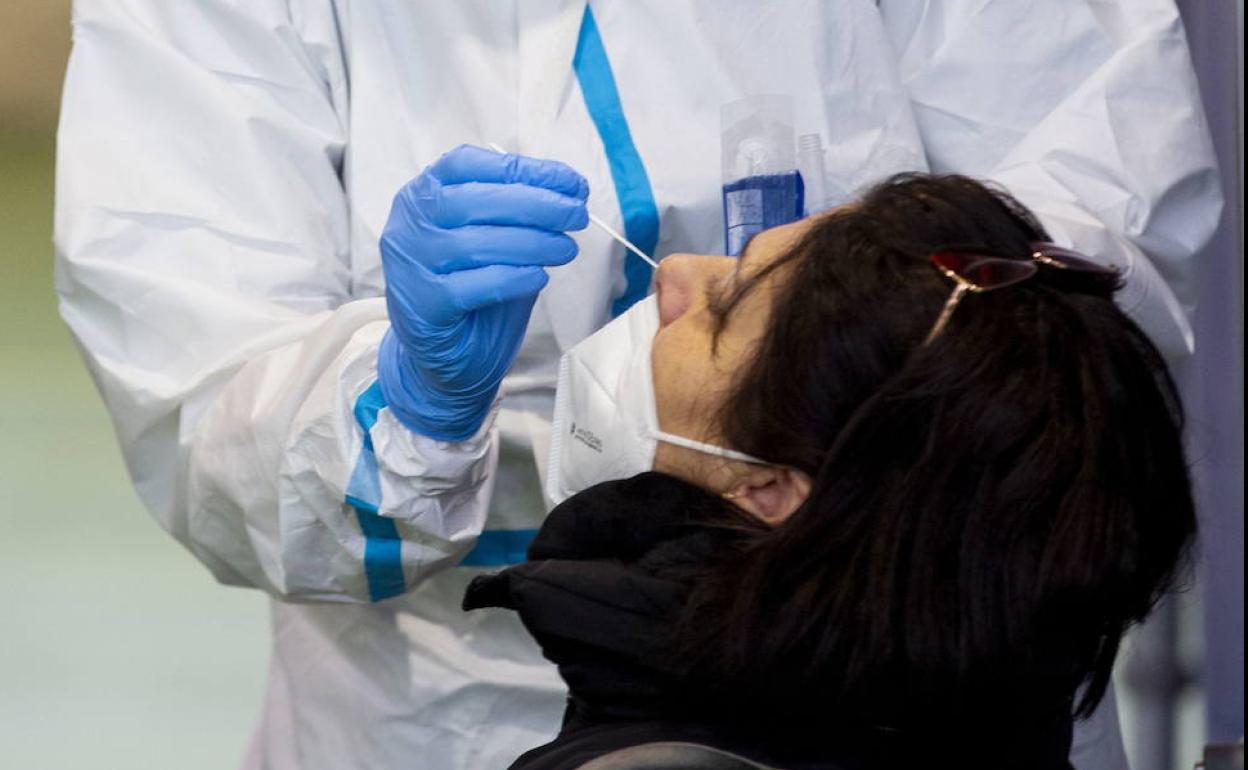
770,493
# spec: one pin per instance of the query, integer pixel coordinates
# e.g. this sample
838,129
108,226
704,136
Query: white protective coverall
225,169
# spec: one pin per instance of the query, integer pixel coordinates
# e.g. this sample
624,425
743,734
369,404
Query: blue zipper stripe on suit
628,172
383,565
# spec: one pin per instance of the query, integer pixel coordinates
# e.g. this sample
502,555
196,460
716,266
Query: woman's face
694,367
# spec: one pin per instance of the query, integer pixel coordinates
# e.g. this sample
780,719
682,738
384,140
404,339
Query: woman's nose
681,282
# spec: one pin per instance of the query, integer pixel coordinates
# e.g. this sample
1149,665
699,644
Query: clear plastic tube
810,164
761,184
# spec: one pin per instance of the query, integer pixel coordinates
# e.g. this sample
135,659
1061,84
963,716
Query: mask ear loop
710,449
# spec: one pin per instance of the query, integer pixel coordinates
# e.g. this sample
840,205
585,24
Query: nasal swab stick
606,228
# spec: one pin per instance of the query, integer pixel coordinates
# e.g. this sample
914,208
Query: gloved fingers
492,285
467,163
517,205
471,246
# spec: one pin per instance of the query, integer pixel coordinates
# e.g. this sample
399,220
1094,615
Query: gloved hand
464,252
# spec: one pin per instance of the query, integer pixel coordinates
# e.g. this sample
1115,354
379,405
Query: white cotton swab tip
606,228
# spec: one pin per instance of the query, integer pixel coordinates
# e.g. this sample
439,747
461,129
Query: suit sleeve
203,266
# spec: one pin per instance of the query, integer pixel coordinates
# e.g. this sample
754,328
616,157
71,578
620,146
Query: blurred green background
117,650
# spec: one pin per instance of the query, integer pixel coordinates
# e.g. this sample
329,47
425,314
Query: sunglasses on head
974,273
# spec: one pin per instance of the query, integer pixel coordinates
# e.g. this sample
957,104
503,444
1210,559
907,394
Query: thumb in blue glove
464,253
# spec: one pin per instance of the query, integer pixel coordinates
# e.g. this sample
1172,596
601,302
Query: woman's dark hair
990,512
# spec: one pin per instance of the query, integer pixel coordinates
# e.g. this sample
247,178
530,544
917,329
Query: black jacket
608,575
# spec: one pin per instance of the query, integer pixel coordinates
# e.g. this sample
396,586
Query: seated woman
957,479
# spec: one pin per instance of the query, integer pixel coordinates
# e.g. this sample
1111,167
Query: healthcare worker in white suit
329,347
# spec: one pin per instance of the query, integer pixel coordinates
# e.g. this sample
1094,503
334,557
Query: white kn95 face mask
606,419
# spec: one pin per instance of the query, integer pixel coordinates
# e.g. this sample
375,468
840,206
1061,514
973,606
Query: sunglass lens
997,273
982,271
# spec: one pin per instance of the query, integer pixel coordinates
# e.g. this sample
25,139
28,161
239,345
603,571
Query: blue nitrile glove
463,252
